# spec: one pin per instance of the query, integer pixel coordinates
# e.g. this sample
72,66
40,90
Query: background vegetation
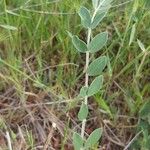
41,74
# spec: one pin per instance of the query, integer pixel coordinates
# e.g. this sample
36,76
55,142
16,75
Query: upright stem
87,63
86,81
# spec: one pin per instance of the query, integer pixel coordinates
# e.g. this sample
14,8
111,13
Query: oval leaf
98,42
93,138
83,113
95,86
83,91
85,17
77,141
79,44
97,66
97,19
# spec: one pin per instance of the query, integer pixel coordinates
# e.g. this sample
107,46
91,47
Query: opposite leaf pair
97,43
94,87
80,144
101,8
89,22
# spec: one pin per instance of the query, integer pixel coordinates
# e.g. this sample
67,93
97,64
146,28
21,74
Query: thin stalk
86,81
87,64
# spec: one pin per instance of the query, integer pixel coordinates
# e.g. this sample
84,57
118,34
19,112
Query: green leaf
79,44
93,138
132,34
95,3
145,110
102,103
77,141
106,2
97,66
85,17
144,125
83,91
147,4
97,19
95,86
8,27
83,113
106,5
98,42
141,45
147,143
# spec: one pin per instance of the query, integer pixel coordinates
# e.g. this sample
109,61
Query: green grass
37,57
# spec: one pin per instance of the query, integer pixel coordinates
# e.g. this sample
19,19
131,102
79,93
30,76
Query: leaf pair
86,19
94,87
97,43
94,137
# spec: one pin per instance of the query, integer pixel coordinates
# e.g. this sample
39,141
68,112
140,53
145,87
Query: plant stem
87,65
86,81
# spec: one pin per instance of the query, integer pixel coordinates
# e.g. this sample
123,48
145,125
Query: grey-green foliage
98,42
79,44
77,141
81,144
97,19
93,138
97,66
83,112
95,3
83,91
85,16
95,86
101,7
90,20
